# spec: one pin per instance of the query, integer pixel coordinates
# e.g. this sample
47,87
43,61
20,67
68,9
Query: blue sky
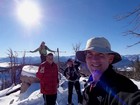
66,22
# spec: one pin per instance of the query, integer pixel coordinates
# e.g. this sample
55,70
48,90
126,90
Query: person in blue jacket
104,84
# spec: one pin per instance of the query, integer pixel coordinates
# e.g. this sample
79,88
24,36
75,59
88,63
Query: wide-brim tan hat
98,44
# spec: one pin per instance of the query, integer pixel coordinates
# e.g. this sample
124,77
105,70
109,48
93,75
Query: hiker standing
48,76
42,51
73,75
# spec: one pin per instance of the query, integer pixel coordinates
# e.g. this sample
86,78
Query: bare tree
136,66
10,55
76,47
15,56
134,15
12,65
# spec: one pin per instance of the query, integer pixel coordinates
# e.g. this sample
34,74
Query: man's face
98,62
70,63
49,58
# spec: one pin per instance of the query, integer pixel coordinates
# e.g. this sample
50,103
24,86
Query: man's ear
111,58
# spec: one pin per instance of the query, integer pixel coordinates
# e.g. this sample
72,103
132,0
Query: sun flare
28,12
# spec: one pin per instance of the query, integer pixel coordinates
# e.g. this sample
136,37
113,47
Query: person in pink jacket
48,76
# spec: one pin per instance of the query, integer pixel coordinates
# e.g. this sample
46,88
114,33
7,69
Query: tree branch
134,44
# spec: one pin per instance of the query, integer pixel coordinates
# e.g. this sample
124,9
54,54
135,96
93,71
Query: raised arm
49,49
35,50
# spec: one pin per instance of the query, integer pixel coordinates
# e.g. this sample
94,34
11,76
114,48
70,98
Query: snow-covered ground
7,64
29,70
33,96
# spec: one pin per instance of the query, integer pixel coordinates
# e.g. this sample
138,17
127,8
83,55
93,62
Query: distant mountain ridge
132,57
34,60
126,60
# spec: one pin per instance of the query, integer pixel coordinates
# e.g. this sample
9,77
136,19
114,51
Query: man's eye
102,55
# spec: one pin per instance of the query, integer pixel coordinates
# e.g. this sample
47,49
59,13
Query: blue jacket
109,85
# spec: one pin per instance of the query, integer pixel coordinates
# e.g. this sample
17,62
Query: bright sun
28,12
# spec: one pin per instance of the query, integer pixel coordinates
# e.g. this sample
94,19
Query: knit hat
69,60
42,42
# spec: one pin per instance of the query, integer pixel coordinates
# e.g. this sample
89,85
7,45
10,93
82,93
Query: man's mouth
95,66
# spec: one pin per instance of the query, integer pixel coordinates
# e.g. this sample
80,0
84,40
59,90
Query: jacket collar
104,76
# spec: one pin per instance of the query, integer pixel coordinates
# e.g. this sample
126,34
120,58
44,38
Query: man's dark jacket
106,89
73,72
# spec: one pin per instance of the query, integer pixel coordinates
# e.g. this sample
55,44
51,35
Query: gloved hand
67,76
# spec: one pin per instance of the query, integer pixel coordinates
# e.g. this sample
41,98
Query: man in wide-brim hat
104,82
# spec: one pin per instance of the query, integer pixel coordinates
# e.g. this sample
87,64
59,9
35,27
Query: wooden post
58,58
